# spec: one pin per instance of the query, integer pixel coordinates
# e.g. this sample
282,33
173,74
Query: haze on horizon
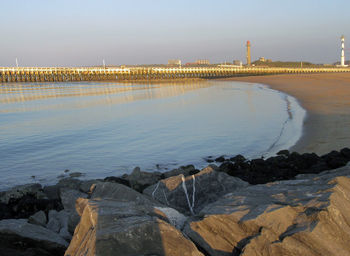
84,32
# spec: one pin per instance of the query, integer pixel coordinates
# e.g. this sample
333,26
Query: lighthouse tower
342,58
248,54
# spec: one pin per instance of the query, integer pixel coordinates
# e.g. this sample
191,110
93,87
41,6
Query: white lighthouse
342,58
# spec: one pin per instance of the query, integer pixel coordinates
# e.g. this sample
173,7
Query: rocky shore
290,204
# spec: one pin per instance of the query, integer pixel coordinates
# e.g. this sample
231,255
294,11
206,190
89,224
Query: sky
84,32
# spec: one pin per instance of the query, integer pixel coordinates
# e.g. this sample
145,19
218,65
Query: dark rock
75,174
118,180
18,192
220,159
38,218
22,238
284,152
345,153
238,159
5,211
69,183
85,186
335,159
29,205
140,180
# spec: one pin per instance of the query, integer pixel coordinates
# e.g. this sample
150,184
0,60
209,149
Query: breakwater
69,74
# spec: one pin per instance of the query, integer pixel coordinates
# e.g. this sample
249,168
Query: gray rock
17,235
75,174
69,196
22,190
116,191
114,227
69,183
140,180
85,186
191,194
185,170
306,216
38,218
53,224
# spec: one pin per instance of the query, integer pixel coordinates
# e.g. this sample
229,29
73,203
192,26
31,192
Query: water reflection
115,93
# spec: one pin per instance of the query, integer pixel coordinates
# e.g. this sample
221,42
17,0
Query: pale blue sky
83,32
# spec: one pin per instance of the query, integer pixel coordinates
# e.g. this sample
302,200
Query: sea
108,128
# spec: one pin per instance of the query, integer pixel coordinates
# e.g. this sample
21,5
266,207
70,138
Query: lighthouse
342,58
248,54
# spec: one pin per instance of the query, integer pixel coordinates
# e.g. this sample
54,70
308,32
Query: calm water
104,129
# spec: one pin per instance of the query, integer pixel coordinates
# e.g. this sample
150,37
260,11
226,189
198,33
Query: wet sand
326,97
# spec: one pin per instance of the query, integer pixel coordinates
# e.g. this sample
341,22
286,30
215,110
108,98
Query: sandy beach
326,97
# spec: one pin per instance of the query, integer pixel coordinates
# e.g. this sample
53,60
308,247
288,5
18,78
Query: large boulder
139,180
306,216
18,237
121,227
20,191
191,194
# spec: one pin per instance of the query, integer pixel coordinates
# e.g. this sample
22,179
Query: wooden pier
65,74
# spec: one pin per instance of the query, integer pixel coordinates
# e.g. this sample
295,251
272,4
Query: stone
118,180
140,180
283,152
85,186
189,195
220,159
116,191
19,237
114,227
18,192
39,218
69,183
59,223
185,170
75,174
68,198
305,216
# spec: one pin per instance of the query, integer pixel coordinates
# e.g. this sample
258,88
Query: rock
22,238
52,192
220,159
140,180
191,194
238,159
306,216
5,211
75,174
113,227
18,192
118,180
28,205
185,170
284,152
38,218
69,198
116,191
59,223
346,153
69,183
85,186
53,224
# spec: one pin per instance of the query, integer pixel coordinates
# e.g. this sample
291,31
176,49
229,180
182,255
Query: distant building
237,63
174,62
268,60
202,62
262,59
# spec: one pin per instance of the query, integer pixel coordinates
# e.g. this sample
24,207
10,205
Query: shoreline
325,97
